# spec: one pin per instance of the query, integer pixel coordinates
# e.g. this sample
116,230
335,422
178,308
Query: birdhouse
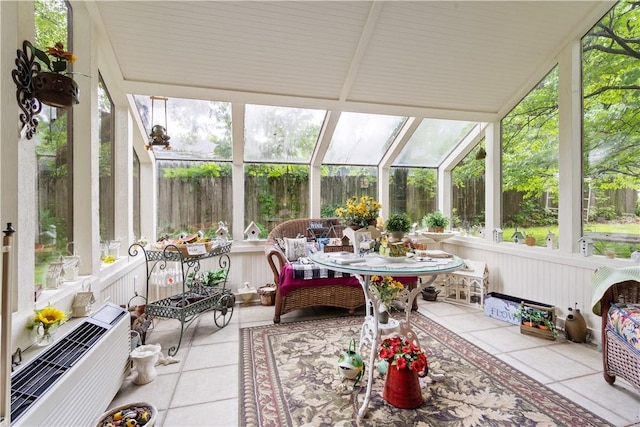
497,235
481,233
517,237
252,231
551,240
223,231
586,246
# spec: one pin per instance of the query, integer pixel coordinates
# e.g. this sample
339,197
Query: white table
365,267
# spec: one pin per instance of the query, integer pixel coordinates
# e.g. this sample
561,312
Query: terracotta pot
402,388
56,90
530,241
436,229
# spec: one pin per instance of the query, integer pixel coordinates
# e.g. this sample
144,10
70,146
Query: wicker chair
348,297
618,357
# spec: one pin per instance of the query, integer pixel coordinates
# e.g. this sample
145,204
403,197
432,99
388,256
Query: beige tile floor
202,388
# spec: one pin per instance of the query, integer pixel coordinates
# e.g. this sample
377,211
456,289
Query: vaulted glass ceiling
201,130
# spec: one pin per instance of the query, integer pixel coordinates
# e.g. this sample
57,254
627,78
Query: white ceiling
470,60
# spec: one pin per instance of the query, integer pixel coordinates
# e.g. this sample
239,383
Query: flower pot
56,90
530,241
436,229
402,388
383,317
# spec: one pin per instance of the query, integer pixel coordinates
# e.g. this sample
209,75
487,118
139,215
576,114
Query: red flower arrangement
402,354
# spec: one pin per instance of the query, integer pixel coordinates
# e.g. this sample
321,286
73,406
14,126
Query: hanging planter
56,90
35,87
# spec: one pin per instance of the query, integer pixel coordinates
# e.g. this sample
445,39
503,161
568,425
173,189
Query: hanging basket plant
55,87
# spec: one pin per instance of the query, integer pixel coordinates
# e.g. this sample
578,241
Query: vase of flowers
406,363
45,322
359,212
54,87
385,290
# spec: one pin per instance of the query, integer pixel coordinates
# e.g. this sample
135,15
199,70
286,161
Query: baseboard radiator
74,380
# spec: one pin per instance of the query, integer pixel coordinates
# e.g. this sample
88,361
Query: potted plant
435,222
525,314
398,225
54,87
359,212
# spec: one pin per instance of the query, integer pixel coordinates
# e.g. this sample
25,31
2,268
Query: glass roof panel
362,139
432,142
199,130
281,134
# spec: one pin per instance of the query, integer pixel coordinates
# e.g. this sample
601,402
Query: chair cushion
624,319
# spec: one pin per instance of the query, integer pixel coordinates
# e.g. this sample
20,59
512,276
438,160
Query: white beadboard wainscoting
539,274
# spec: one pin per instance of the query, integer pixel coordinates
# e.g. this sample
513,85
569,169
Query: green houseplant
435,221
398,224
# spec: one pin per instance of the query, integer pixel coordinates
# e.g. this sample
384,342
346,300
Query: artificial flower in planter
359,212
403,354
45,322
53,87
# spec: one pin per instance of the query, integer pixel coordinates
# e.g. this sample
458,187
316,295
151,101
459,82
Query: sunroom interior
282,110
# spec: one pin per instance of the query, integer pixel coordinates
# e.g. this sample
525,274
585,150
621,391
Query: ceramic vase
383,314
402,388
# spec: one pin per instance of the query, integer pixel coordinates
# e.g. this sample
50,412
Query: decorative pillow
295,248
280,243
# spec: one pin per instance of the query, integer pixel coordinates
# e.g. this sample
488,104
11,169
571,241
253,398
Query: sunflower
47,317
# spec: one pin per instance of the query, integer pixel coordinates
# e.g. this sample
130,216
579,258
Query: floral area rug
289,377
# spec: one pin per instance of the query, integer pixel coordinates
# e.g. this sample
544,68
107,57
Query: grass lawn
622,250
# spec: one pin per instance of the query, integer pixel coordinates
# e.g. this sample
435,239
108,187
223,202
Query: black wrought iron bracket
26,68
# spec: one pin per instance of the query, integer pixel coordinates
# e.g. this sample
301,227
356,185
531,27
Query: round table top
374,264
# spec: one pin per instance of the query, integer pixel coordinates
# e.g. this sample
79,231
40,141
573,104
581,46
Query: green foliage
434,219
198,171
329,211
398,222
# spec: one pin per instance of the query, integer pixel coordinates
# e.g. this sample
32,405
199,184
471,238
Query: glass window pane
468,192
530,164
193,196
362,139
339,183
53,144
197,129
274,193
611,142
137,225
280,134
412,190
106,123
432,142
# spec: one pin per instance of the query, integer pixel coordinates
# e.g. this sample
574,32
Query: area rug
289,377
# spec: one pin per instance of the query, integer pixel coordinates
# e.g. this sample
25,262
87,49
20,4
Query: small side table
370,265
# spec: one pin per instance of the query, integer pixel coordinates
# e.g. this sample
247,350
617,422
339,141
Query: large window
468,192
193,196
412,190
106,128
339,183
530,163
611,141
53,142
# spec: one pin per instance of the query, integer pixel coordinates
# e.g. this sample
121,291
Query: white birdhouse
551,240
223,231
517,237
586,246
497,235
252,231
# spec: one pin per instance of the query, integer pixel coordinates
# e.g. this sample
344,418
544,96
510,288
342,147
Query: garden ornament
350,364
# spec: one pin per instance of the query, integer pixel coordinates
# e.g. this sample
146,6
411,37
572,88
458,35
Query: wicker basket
184,249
